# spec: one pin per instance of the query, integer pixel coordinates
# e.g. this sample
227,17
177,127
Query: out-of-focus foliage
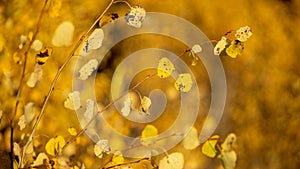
263,82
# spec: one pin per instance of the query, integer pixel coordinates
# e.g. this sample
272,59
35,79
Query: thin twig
132,162
38,25
79,42
132,146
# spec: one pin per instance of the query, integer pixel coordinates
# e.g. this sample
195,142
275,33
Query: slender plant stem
132,162
38,25
79,42
11,154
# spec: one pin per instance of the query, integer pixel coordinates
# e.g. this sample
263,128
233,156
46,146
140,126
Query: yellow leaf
72,131
243,33
127,107
73,101
37,45
191,141
135,16
43,56
220,46
165,68
101,147
229,142
22,122
148,132
93,42
63,35
228,159
184,82
17,150
236,48
116,159
208,148
145,105
42,159
36,76
172,161
55,145
87,69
